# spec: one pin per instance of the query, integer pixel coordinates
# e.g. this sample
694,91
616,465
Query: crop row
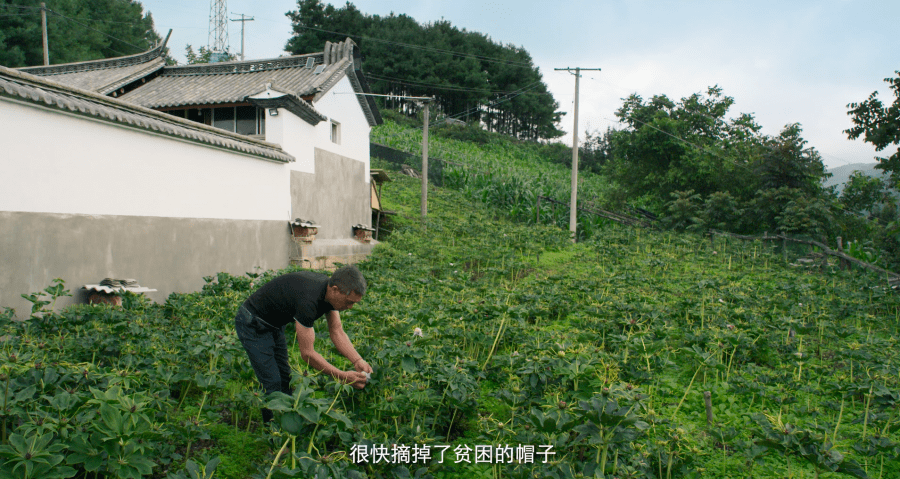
482,332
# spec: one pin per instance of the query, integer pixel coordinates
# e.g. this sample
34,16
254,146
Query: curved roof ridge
246,66
102,64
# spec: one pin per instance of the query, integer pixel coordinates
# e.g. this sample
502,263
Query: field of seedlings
505,173
501,350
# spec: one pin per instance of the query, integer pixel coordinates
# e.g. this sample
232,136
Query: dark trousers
267,350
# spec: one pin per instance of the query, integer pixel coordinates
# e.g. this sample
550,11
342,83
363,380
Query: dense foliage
77,30
685,162
484,334
880,125
472,78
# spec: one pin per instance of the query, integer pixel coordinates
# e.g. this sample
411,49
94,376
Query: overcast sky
783,61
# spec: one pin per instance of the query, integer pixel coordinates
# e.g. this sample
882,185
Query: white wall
296,137
341,104
54,162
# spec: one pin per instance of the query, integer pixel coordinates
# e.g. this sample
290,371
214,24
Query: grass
521,328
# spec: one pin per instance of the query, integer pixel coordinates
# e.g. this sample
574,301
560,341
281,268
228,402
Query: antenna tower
218,29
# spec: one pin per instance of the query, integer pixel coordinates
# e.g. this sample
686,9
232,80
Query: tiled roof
233,82
107,75
24,87
276,99
306,77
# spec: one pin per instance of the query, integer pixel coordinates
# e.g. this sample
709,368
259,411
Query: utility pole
424,101
425,164
44,32
242,20
573,202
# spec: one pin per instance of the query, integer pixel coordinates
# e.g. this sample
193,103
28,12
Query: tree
880,126
77,30
203,56
471,77
788,163
673,146
862,193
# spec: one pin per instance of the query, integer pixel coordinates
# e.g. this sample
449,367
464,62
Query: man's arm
306,338
342,342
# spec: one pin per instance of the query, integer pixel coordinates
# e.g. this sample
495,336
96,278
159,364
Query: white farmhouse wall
68,164
84,199
296,137
342,105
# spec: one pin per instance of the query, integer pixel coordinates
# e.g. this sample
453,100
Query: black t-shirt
296,296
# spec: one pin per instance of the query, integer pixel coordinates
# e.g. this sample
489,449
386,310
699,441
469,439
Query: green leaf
408,364
112,418
853,468
292,423
310,414
340,417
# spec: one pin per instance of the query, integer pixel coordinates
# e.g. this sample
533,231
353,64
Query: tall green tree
77,30
471,77
862,193
787,162
880,125
670,146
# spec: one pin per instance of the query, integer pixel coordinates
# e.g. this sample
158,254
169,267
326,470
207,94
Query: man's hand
355,379
362,366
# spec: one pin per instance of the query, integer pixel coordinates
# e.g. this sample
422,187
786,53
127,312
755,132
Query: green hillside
500,349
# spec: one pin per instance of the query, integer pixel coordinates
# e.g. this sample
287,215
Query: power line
441,87
471,110
419,47
24,7
139,49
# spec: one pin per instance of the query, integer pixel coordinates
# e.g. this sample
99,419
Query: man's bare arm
306,338
343,344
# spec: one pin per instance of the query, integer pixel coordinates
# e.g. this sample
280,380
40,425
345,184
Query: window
335,132
246,120
243,120
224,118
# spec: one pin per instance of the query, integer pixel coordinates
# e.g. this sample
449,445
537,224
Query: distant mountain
841,174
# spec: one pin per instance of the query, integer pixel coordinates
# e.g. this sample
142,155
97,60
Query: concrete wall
329,181
167,254
336,197
83,200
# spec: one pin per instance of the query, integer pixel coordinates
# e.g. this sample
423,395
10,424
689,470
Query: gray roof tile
219,83
104,76
233,82
20,86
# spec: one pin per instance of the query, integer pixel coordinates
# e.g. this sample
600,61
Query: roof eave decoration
271,98
106,63
346,59
247,66
330,77
27,88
